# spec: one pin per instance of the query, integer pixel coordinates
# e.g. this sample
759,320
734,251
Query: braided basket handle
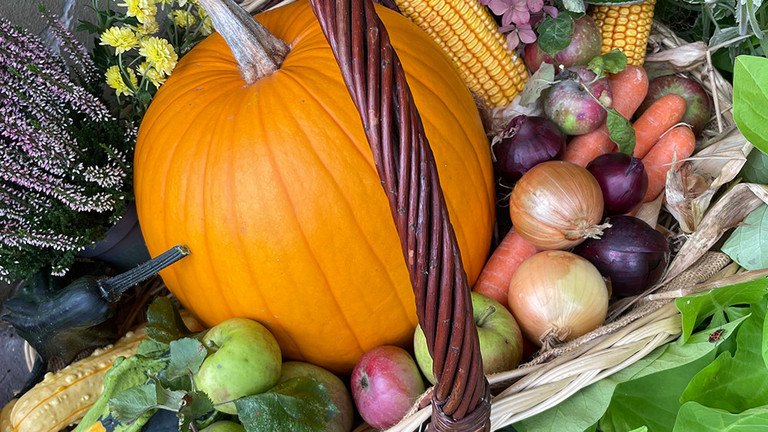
376,81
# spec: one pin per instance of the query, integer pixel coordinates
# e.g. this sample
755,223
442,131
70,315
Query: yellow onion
557,296
556,205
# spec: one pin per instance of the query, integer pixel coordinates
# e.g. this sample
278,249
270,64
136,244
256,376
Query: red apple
585,45
385,384
501,340
699,108
573,109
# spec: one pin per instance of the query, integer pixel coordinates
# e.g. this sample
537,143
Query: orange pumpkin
273,188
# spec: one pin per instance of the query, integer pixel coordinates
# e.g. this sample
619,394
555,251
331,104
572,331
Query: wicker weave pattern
376,82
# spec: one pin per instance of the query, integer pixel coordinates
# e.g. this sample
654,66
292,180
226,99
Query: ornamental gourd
271,184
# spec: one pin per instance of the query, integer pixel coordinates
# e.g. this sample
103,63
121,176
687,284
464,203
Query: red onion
630,253
524,143
622,180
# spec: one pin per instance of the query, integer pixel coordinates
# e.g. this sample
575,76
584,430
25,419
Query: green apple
243,359
224,426
343,421
501,341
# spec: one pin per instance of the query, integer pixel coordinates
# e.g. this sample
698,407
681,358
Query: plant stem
486,313
112,288
256,50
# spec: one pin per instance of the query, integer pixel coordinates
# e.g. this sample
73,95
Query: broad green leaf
735,383
587,406
750,97
555,33
696,417
541,80
152,348
130,404
621,131
187,355
300,404
125,373
716,303
164,324
651,401
747,243
640,429
755,170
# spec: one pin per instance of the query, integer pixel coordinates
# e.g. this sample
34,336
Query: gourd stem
112,288
257,51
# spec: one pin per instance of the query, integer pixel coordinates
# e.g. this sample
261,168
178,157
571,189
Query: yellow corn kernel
626,28
469,35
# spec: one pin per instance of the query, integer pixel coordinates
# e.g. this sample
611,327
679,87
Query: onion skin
526,142
556,205
631,254
622,179
557,296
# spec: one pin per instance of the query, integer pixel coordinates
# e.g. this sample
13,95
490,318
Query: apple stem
486,313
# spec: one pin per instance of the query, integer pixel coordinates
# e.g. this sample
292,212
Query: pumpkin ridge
368,156
307,244
404,302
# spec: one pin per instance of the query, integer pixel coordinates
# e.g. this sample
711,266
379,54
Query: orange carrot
663,114
675,145
629,88
495,277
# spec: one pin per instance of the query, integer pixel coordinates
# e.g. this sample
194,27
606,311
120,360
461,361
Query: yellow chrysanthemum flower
160,53
115,80
182,18
154,76
143,10
207,26
121,38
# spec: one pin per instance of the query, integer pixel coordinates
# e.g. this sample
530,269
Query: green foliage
555,33
611,62
746,245
750,96
160,377
621,131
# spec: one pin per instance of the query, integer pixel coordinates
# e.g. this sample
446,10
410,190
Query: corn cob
467,32
625,27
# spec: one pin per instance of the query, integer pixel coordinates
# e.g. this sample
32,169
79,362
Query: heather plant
65,159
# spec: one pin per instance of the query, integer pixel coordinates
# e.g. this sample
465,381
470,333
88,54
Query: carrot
675,145
629,88
495,277
663,114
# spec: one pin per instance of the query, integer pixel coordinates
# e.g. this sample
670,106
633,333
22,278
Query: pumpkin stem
112,288
257,51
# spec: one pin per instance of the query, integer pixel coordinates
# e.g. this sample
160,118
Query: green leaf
621,131
717,303
651,401
197,405
541,80
612,62
164,324
755,170
169,399
152,348
696,417
130,404
555,33
746,245
576,6
301,403
750,97
640,429
124,374
731,382
187,355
